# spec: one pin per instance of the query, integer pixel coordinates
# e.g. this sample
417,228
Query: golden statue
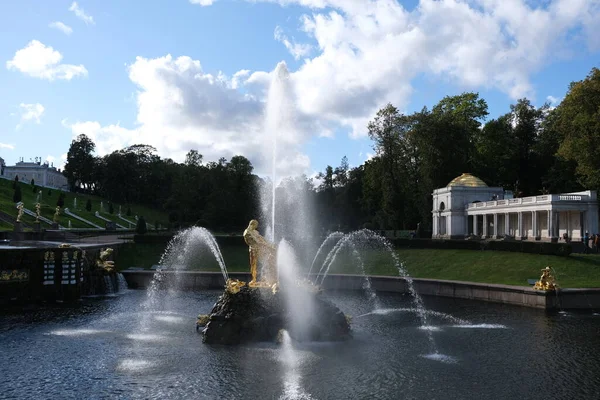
20,211
57,214
233,285
37,212
103,261
261,251
547,281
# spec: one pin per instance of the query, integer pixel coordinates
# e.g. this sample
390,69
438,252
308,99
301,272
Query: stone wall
515,295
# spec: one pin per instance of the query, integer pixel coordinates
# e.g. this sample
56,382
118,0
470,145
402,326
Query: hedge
557,249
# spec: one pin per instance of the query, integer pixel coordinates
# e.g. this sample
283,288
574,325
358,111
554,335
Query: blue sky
401,53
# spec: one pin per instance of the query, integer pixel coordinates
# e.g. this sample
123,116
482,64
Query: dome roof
468,180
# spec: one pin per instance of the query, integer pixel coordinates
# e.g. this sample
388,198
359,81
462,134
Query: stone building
44,174
467,206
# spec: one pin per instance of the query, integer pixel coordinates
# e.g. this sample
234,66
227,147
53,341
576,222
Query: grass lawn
48,203
577,270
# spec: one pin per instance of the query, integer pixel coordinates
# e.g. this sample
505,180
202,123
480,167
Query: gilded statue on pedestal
263,252
104,262
20,211
37,212
547,281
57,214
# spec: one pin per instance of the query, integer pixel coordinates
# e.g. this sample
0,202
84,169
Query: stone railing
523,200
71,214
97,214
43,219
570,197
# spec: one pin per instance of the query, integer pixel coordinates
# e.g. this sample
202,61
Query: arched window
442,206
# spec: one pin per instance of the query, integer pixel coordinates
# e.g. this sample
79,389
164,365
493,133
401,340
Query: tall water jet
299,298
284,203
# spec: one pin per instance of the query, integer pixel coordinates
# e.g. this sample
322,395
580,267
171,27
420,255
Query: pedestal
37,227
18,227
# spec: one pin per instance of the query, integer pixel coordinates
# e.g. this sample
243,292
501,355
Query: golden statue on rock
547,281
263,252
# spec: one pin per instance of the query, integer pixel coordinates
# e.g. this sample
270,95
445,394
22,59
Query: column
485,225
534,224
520,224
495,226
550,223
507,224
475,233
435,226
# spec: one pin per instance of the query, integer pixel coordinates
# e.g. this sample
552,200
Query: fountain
260,309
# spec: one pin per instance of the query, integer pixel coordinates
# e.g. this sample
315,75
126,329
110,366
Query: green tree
128,211
17,194
193,158
578,123
16,181
32,182
79,169
88,205
111,209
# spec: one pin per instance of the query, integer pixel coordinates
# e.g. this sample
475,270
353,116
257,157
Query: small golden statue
37,213
233,285
20,211
56,214
103,262
547,281
264,252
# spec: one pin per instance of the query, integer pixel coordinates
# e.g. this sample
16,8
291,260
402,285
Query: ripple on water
441,358
147,337
480,326
133,365
78,332
169,318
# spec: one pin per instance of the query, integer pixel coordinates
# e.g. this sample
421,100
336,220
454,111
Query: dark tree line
528,150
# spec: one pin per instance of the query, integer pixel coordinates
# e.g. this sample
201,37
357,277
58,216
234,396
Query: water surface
127,347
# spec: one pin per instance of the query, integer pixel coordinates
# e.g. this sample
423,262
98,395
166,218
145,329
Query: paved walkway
102,239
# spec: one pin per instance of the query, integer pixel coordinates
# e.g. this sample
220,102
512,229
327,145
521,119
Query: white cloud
202,2
370,51
6,146
30,112
41,61
365,53
80,13
552,100
298,50
66,29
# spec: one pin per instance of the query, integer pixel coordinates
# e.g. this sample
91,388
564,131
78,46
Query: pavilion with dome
467,206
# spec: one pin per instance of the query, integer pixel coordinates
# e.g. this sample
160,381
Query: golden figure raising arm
259,250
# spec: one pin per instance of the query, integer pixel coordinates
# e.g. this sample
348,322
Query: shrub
111,209
16,181
61,200
88,205
17,194
141,227
32,182
49,192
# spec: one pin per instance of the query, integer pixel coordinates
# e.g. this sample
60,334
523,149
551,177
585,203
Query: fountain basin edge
583,299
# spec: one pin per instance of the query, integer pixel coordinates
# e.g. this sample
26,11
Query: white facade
490,212
43,174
